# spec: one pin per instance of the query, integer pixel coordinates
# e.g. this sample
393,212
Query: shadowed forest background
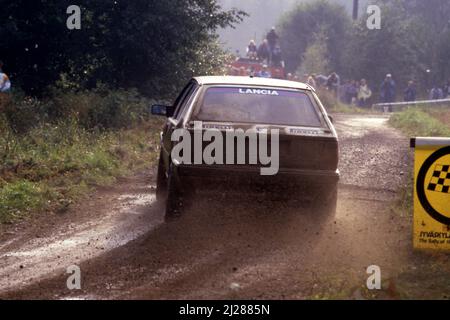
155,46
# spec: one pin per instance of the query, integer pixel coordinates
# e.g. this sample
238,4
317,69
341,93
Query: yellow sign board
431,193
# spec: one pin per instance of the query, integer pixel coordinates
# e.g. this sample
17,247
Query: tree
435,15
148,44
300,26
315,59
405,45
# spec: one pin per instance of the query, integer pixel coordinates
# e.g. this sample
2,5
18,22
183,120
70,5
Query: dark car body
308,153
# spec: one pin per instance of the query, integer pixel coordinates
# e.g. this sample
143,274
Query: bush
332,104
103,109
23,113
51,165
416,122
20,198
96,109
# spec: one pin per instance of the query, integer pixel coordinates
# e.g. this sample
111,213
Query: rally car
245,131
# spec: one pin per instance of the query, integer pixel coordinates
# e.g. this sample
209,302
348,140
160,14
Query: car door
174,121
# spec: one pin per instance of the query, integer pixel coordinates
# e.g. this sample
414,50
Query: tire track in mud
243,247
109,218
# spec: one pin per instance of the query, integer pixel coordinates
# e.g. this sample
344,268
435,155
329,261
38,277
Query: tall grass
48,163
333,104
418,122
415,122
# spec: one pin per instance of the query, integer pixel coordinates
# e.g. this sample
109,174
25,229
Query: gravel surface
224,248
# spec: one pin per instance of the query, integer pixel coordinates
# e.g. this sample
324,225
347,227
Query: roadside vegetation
52,152
77,115
334,105
419,122
425,122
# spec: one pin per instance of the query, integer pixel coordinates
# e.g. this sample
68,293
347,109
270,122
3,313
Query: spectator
251,72
233,71
252,50
364,94
276,57
5,87
311,81
436,93
243,72
350,92
388,90
289,77
321,80
305,77
333,83
272,39
264,73
5,83
446,89
410,93
264,52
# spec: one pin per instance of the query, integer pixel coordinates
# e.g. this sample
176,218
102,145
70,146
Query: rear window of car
258,105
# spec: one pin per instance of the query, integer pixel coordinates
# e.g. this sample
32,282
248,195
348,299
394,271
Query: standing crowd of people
268,52
359,93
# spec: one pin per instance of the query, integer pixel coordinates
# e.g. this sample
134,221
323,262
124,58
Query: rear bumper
192,174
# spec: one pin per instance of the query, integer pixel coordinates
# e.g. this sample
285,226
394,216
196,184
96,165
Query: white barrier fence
389,107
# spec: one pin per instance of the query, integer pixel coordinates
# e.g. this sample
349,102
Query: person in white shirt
5,83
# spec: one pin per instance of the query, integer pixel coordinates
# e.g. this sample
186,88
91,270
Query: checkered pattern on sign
440,182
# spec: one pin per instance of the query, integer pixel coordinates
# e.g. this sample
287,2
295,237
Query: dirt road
233,247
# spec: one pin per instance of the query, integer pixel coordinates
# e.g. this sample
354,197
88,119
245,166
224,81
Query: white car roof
251,81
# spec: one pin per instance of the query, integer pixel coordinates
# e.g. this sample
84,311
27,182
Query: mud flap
174,203
161,181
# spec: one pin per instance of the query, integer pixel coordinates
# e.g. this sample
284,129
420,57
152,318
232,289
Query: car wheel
174,196
161,181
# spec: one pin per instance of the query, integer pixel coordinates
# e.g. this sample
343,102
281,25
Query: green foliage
95,109
395,49
151,45
419,123
429,35
51,165
299,29
20,198
315,59
334,105
413,39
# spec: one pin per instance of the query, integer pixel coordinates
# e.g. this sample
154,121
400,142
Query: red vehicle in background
246,67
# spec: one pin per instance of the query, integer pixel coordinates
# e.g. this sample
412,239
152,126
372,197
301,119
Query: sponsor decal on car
217,126
265,92
304,132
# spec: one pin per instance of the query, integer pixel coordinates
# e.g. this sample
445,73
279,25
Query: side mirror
160,110
331,118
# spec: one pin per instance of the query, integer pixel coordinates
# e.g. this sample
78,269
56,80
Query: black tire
161,181
174,202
